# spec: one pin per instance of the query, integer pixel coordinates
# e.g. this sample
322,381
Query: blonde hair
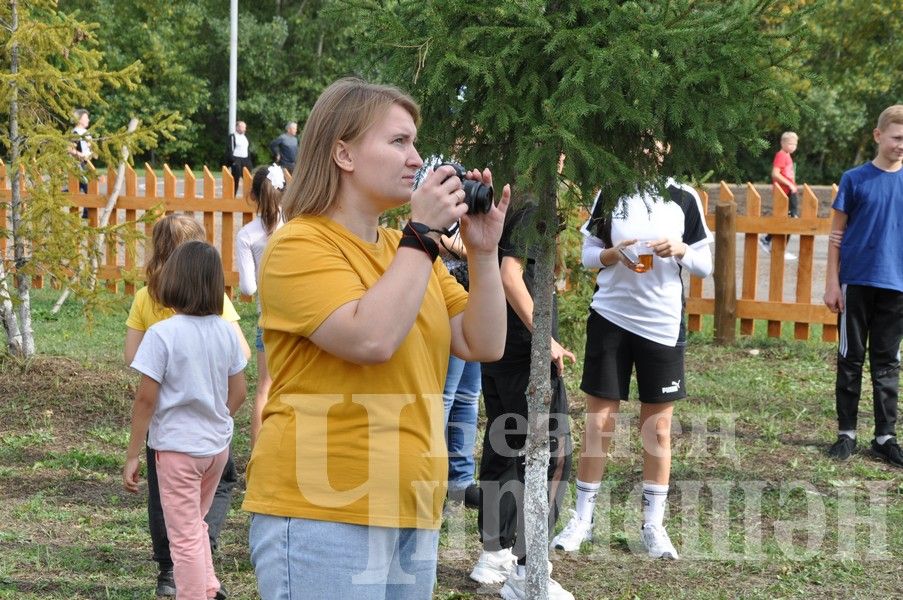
343,112
890,116
169,232
789,135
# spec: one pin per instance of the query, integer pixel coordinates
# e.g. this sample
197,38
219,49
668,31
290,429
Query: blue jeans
297,559
462,391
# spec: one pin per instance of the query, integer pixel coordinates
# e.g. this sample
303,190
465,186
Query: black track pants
872,317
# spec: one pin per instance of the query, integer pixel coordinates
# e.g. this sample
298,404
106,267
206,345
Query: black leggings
502,466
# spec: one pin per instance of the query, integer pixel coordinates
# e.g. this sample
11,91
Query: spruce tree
516,85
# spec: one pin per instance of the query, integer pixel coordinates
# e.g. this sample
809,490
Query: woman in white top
251,241
636,322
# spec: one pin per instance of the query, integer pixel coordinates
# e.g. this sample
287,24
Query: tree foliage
288,51
52,65
605,83
856,66
514,85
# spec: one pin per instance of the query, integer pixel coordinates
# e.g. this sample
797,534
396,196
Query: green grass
756,508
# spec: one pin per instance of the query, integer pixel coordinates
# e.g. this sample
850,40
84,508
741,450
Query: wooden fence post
725,267
750,257
694,320
779,205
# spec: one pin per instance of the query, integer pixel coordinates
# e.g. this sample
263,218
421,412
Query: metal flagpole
233,64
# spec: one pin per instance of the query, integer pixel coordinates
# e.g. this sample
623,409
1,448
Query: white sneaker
493,567
657,542
789,256
515,588
574,533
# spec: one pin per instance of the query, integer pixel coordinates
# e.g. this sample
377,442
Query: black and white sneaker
889,451
843,448
166,584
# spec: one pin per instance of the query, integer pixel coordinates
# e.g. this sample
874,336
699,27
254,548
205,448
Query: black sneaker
889,451
843,448
222,594
166,585
472,496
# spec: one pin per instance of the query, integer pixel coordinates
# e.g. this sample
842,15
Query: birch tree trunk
539,396
22,281
8,315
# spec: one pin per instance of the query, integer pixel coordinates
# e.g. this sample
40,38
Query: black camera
477,196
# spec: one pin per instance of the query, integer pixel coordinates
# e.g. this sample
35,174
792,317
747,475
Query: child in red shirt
782,174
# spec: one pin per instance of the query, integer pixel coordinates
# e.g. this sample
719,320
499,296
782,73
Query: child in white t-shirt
192,383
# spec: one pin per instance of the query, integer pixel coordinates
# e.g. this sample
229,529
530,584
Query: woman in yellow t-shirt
146,310
348,475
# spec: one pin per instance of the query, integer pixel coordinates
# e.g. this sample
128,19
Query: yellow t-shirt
344,442
145,312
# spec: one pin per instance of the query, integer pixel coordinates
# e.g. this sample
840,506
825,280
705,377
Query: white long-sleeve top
250,243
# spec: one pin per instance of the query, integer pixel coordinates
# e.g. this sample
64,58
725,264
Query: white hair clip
276,176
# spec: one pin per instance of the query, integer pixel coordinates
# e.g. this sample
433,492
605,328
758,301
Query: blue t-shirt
872,249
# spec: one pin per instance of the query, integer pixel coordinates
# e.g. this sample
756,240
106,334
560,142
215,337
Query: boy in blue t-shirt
865,286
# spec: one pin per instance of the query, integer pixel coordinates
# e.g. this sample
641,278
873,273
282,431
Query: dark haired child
147,309
192,383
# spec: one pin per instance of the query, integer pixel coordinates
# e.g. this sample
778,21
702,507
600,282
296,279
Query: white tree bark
8,315
539,396
26,348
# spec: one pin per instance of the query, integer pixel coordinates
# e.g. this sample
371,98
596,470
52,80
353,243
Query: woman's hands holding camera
481,232
439,201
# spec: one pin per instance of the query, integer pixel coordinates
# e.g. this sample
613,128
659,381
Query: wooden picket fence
219,211
804,311
222,214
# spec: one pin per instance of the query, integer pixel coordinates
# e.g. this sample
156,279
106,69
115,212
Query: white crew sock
850,433
586,499
654,497
883,438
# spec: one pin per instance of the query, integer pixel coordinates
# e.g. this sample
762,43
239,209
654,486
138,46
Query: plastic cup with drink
639,255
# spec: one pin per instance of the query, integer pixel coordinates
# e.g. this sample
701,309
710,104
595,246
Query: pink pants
187,485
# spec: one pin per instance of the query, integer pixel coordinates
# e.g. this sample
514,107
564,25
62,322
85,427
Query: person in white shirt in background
239,156
251,241
81,150
636,322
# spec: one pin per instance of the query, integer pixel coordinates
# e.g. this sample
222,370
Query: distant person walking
238,153
784,175
81,150
285,147
864,285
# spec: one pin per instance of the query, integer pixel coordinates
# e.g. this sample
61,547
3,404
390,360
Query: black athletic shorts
611,354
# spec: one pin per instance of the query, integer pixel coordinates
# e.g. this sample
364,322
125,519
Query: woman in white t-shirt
251,241
636,322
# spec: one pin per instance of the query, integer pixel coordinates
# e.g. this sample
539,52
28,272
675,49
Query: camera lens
477,196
